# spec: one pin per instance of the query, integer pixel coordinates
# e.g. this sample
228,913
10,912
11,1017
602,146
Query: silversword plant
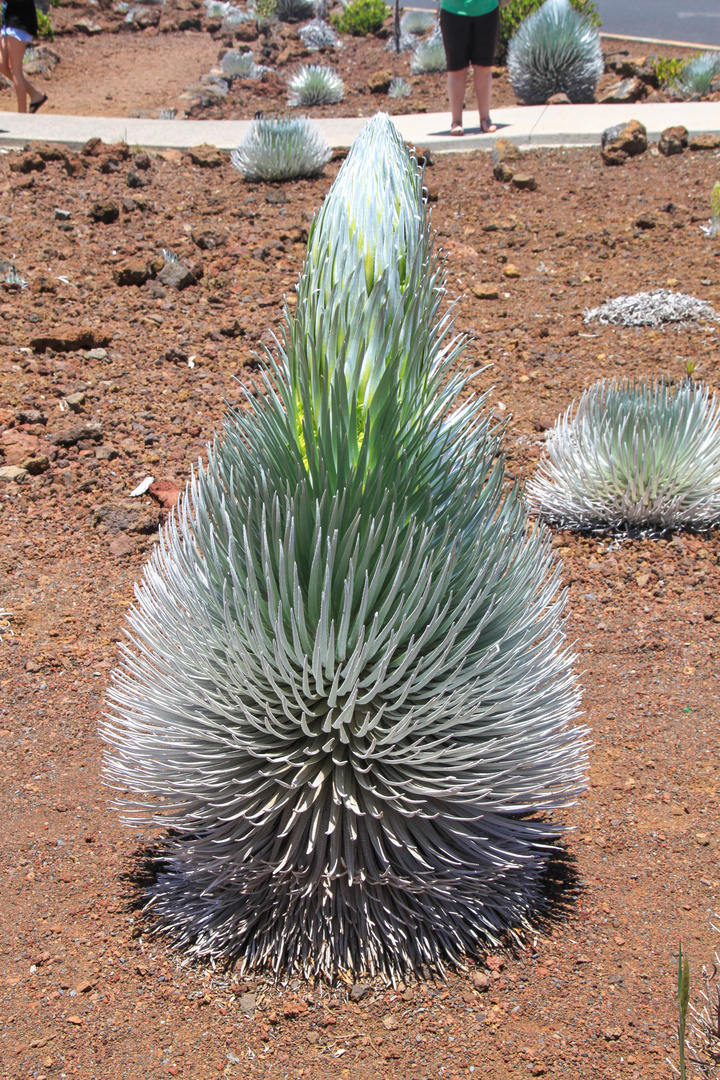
656,308
315,85
281,149
318,35
555,50
429,56
638,454
698,74
346,690
416,21
399,87
241,65
294,10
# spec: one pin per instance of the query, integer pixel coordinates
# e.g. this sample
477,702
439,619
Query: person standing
469,31
19,27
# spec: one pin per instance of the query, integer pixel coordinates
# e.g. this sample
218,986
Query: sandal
35,105
486,125
456,128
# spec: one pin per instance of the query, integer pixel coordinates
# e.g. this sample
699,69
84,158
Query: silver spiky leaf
698,74
281,148
429,56
644,455
555,50
315,85
657,308
346,690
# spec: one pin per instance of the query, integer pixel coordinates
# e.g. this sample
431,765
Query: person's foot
486,125
456,128
35,105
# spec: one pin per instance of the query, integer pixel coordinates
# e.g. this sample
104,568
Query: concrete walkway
536,125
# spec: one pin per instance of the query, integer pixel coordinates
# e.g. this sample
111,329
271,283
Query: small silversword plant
241,65
294,10
315,85
638,455
697,75
429,56
555,50
318,35
346,690
399,87
416,21
281,149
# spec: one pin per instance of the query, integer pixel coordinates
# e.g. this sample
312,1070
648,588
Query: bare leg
14,51
456,82
482,78
4,66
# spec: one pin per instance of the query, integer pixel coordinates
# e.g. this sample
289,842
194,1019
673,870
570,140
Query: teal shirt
471,8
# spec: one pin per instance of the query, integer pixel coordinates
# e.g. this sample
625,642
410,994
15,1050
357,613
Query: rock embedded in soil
524,182
379,81
205,156
16,446
104,212
613,155
705,141
176,276
630,138
89,432
559,99
505,150
66,338
9,473
627,90
673,140
503,172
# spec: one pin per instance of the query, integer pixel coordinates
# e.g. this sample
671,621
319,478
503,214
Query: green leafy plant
45,30
265,9
361,17
640,455
667,70
346,691
513,13
281,149
683,1001
555,50
315,85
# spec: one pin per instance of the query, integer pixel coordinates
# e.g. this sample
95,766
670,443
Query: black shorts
469,39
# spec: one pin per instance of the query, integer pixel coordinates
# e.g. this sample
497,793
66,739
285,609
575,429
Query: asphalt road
694,21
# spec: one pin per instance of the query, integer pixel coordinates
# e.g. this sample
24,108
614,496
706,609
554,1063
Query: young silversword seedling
643,455
656,308
281,149
315,85
347,691
429,56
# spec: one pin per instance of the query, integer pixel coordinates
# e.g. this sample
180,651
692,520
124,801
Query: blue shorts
21,35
